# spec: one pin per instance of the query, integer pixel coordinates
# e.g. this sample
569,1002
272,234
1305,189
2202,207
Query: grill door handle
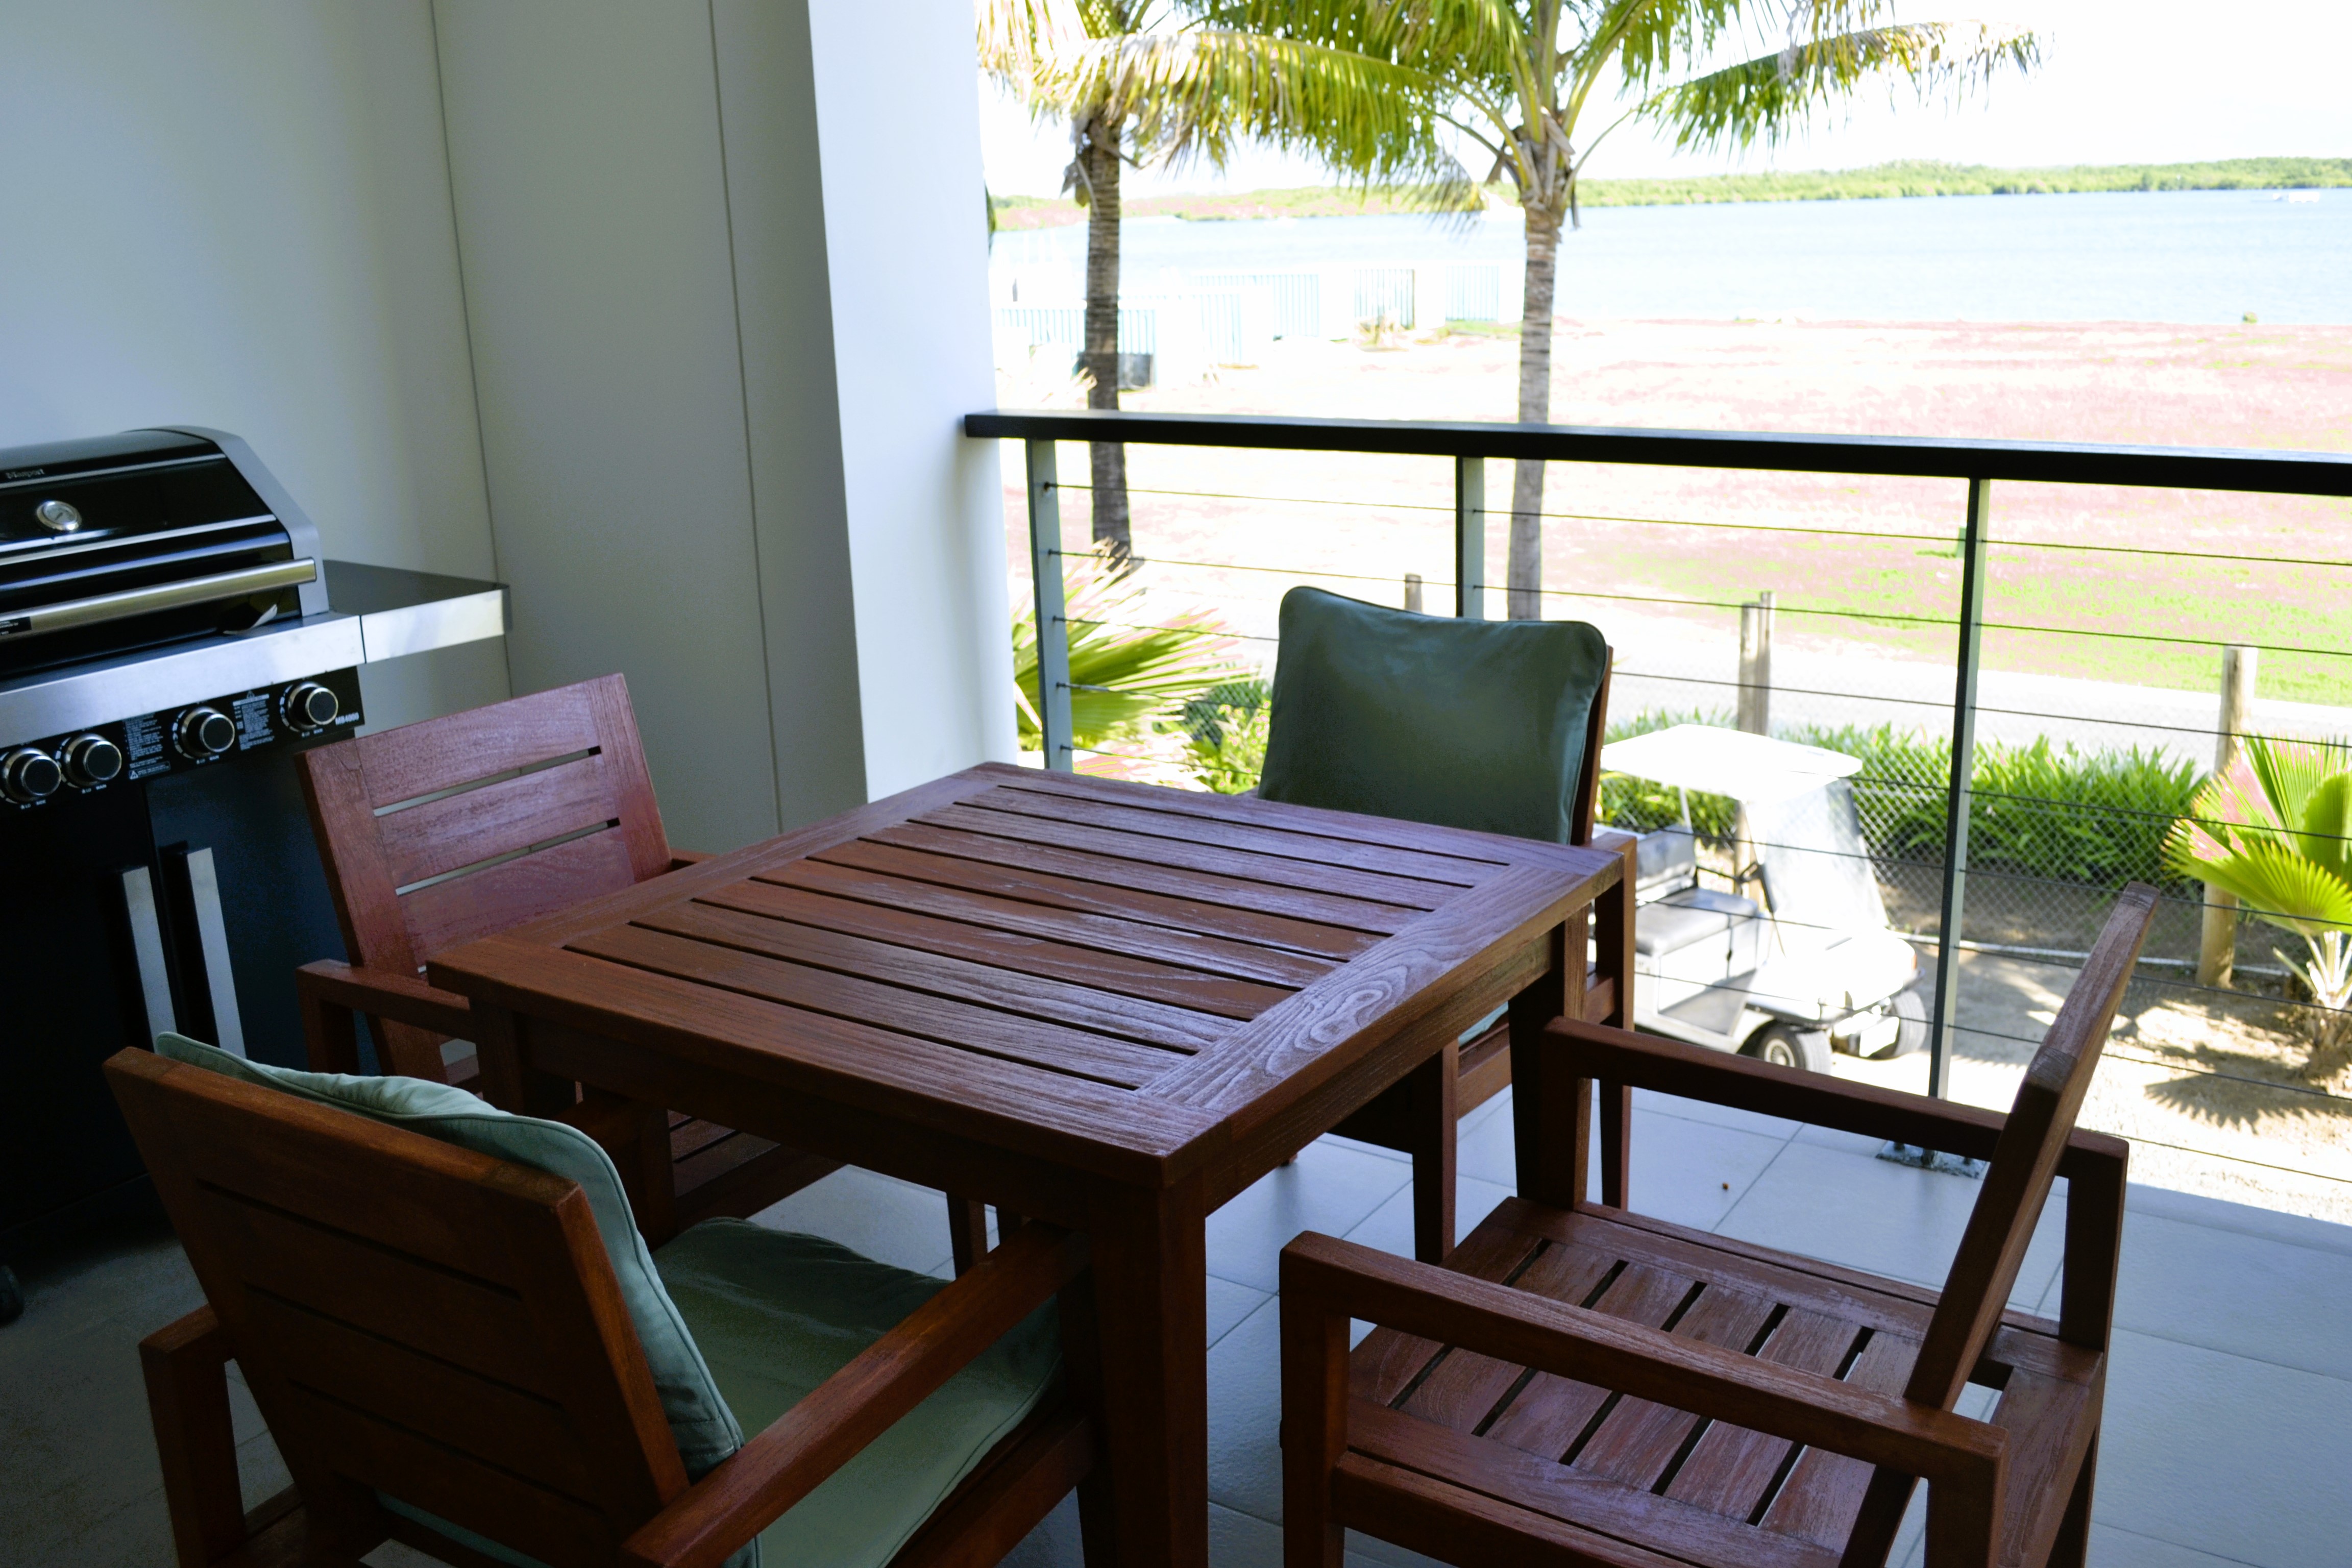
43,619
147,950
212,938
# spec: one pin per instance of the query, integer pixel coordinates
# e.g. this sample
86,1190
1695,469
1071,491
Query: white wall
726,271
236,214
905,221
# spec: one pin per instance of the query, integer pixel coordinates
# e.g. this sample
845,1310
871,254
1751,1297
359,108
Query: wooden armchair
439,1343
436,833
1584,1384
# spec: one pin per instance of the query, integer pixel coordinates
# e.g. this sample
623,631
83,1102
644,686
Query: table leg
1546,1133
1150,1269
1433,1115
508,1081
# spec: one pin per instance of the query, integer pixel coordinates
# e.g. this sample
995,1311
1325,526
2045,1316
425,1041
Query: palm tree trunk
1111,524
1525,599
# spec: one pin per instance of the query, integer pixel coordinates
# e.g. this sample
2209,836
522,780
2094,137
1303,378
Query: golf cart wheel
1784,1046
1911,1034
12,1296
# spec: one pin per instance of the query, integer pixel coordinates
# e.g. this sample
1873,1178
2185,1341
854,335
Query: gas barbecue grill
170,637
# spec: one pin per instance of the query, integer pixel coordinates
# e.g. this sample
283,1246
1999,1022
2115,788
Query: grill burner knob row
308,706
203,733
91,760
30,774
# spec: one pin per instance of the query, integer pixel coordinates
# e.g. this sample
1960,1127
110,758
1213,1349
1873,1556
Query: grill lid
149,536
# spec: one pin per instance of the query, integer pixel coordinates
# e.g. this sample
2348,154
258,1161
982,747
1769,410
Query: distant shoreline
1877,183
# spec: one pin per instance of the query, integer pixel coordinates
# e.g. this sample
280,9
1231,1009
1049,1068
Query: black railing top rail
2050,462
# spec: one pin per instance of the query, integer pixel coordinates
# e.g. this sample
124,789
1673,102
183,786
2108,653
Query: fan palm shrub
1126,670
2274,830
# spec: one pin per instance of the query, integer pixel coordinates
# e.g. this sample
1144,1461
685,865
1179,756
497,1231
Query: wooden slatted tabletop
1104,1004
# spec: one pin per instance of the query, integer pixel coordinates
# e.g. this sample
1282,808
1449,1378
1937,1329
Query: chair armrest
185,1366
1694,1072
387,994
776,1467
1342,1280
679,859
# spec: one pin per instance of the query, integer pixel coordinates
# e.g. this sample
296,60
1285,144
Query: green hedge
2096,818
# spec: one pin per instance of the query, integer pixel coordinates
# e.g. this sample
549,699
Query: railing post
1052,623
1941,1027
1470,538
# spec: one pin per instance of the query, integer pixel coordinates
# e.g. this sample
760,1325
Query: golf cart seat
1695,915
1665,860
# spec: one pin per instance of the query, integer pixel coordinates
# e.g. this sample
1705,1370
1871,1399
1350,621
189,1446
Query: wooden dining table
1109,1005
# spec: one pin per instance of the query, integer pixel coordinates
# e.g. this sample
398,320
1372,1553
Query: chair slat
481,742
480,1416
436,1216
399,1299
1825,1490
458,830
484,902
532,1520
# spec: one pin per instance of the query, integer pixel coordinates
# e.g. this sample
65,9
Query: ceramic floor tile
1370,1551
1874,1215
2231,1291
1237,1540
886,1219
1691,1173
2113,1548
1054,1542
1390,1228
1245,1412
1229,1303
2241,1458
1730,1116
1331,1188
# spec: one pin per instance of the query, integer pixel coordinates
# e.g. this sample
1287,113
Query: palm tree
2276,831
1145,81
1517,80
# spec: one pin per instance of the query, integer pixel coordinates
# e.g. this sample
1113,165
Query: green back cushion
1476,724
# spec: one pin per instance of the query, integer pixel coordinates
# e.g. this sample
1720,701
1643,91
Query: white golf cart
1817,970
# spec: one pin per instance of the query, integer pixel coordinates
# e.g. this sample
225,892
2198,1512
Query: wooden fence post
1756,664
2217,951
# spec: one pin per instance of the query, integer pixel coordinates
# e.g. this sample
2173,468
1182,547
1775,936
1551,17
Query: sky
2122,81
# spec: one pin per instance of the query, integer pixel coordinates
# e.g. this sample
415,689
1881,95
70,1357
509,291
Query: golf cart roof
1727,761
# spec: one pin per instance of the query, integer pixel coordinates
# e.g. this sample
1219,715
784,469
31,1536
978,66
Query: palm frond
1769,97
1124,670
1200,93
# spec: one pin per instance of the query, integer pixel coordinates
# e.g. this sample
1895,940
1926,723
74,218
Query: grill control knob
29,775
91,760
202,732
57,516
308,706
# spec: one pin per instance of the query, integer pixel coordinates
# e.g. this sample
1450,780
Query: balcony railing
2041,865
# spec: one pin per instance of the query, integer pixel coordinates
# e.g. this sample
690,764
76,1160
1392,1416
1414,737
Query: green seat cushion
1476,724
777,1313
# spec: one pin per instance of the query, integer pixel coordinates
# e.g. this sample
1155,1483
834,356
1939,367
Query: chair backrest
439,832
414,1319
2025,1159
1492,725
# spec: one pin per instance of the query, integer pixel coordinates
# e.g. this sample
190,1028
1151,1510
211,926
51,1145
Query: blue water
2164,256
